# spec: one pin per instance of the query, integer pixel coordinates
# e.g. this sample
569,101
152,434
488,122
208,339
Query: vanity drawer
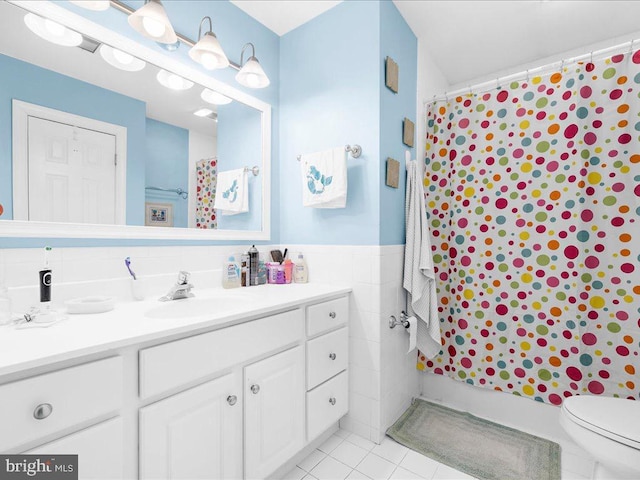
326,404
185,361
327,315
326,356
75,395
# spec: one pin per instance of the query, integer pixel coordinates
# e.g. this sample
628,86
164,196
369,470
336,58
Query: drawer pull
332,356
232,399
255,389
42,411
332,314
332,401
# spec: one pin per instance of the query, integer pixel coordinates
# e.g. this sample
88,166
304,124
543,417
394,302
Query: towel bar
355,150
255,170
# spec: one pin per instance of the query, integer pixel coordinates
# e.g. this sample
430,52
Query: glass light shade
121,60
252,75
51,31
214,98
95,5
173,81
209,53
203,112
152,21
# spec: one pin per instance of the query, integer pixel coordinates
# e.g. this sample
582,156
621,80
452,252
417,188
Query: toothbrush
127,262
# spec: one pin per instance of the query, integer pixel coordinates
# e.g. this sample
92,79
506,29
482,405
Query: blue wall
398,42
330,96
167,166
239,145
26,82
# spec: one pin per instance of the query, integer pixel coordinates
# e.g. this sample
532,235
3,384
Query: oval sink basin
194,307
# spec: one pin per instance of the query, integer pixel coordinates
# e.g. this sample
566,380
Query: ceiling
473,39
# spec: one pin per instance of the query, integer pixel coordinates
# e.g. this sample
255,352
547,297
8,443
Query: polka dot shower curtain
533,205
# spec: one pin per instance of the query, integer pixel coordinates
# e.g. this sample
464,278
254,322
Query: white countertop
126,325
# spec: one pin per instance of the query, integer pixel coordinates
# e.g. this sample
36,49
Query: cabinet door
99,449
196,434
274,412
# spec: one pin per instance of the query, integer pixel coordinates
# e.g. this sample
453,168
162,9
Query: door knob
255,389
332,314
42,411
232,399
332,356
332,401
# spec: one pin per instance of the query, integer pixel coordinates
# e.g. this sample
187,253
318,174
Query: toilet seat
610,417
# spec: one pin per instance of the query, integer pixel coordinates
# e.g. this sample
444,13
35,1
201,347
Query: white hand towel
419,278
232,194
324,178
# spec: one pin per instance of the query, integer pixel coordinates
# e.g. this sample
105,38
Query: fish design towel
232,195
324,179
419,277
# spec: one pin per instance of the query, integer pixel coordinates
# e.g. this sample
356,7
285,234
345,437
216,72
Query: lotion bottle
231,273
301,271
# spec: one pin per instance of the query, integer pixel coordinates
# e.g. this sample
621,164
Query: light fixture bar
126,9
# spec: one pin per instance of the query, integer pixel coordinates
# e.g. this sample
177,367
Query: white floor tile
402,474
309,477
313,459
419,464
330,444
330,469
361,442
445,472
295,474
349,454
356,475
390,450
577,464
376,467
343,433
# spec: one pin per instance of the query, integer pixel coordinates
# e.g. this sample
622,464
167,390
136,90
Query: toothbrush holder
138,288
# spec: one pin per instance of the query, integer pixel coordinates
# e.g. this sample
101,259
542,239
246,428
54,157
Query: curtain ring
446,97
591,57
562,66
497,82
631,47
527,75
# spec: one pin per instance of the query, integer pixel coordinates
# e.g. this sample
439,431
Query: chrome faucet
182,288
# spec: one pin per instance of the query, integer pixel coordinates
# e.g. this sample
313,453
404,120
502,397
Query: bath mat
480,448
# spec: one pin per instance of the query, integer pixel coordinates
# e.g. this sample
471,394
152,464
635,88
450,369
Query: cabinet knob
332,401
42,411
255,389
232,399
332,314
332,356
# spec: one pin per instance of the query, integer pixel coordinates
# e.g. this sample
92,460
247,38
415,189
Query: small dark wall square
393,172
391,74
408,129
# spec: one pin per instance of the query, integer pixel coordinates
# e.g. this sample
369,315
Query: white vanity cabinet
274,411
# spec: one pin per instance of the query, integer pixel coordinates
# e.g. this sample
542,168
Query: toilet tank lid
615,418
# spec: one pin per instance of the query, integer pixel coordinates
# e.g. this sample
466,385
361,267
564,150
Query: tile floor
346,455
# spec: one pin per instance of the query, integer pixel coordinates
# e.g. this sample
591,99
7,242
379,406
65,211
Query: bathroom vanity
182,389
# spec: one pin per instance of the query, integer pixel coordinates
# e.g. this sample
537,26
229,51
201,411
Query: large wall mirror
88,149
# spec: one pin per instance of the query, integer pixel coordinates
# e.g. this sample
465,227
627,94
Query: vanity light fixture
121,60
52,31
208,51
251,74
95,5
214,98
152,21
173,81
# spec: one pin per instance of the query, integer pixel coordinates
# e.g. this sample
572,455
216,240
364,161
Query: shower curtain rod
490,84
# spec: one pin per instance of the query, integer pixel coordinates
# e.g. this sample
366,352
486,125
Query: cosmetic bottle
231,273
301,271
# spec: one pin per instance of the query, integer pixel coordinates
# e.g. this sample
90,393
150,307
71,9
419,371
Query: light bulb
54,28
153,27
122,57
209,60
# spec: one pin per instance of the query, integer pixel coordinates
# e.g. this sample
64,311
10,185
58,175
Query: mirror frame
20,228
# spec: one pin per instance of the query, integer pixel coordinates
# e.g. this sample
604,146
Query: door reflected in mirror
102,137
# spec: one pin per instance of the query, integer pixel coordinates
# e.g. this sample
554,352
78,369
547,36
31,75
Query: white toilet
609,429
